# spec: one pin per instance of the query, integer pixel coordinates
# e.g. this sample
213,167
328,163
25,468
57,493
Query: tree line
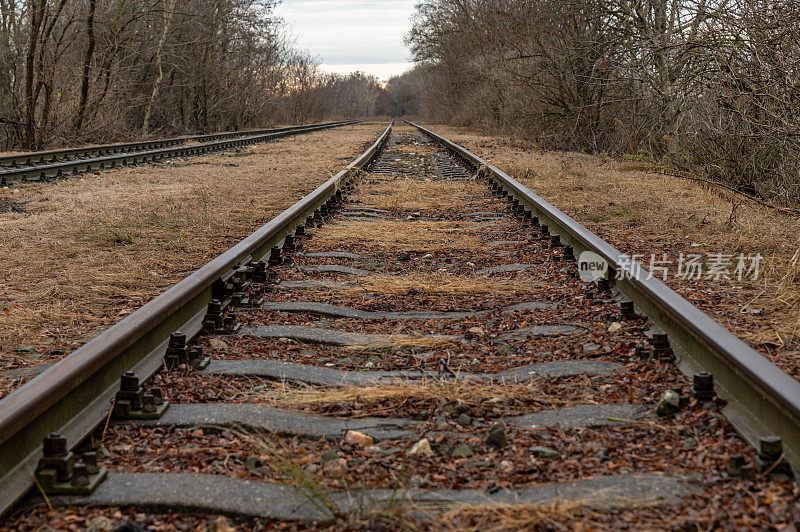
706,86
74,71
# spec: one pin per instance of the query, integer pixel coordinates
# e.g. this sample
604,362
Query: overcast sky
348,35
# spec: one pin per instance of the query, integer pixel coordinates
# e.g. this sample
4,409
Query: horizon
347,36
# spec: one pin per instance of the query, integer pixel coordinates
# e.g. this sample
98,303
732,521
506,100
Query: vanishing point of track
403,270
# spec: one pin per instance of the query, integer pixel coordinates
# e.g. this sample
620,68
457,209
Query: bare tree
102,70
87,65
169,11
703,85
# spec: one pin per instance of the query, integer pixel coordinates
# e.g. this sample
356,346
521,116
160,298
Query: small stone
494,402
497,435
312,468
329,455
220,524
392,450
614,327
369,365
480,464
375,449
462,450
418,481
505,465
427,256
456,407
217,343
689,444
596,448
252,463
544,452
464,419
330,365
354,437
669,404
590,348
531,466
504,350
335,468
476,331
421,448
100,524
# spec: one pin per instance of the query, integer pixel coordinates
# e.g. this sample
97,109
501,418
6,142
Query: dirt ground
79,254
641,212
453,417
440,257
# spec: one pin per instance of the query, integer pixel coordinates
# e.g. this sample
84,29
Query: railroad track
424,347
39,166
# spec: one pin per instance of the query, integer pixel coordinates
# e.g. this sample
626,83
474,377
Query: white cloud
350,32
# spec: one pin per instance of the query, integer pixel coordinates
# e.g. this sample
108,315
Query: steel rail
74,395
762,399
117,155
251,132
30,158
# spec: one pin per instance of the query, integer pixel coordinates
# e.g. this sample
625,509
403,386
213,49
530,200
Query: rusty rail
763,400
74,395
44,165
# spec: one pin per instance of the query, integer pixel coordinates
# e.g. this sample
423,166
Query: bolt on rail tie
764,401
60,472
70,399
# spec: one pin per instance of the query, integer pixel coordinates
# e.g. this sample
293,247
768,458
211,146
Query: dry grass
272,454
414,194
401,341
417,235
553,514
90,250
401,392
436,283
642,212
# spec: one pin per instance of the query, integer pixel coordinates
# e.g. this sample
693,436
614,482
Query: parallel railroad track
428,346
37,166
